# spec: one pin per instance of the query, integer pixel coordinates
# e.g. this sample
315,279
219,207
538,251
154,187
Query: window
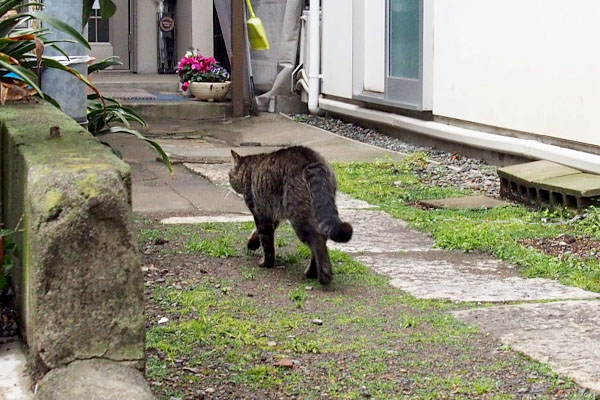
97,29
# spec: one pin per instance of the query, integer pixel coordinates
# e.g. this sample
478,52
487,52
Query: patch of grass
148,235
230,328
299,296
392,187
484,385
224,246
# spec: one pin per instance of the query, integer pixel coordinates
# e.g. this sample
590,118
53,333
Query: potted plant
203,76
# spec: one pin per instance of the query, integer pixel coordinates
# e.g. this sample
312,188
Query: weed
218,247
299,296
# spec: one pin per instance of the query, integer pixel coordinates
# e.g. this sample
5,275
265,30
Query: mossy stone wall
77,275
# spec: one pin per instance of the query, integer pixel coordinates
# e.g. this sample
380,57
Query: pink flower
185,86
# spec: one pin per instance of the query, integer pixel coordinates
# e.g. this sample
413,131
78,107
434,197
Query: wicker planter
210,91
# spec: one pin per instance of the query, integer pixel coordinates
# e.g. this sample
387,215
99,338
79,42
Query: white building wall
374,46
528,65
336,47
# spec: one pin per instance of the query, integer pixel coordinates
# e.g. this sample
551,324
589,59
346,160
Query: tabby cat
296,184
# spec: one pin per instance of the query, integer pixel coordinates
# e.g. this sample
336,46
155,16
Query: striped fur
294,184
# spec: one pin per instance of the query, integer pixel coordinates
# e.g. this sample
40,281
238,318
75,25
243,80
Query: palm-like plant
22,49
107,115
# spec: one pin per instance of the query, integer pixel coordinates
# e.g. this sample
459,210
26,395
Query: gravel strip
444,169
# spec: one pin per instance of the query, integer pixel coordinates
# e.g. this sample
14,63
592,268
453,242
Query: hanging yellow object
256,31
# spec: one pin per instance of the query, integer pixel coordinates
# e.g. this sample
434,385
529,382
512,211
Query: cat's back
293,159
276,171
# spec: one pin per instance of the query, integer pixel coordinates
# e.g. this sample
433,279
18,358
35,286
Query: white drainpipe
502,144
314,59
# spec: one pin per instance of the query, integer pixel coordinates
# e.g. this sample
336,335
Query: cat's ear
236,156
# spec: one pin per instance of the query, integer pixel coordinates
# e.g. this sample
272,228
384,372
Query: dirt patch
8,321
564,246
219,327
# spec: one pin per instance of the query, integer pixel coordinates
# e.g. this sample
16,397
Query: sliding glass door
407,54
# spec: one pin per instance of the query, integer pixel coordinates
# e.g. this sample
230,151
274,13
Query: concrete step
128,80
180,110
549,184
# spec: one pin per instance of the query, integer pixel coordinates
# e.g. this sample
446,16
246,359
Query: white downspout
314,59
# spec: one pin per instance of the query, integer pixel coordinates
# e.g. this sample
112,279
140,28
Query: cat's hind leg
266,234
320,264
254,239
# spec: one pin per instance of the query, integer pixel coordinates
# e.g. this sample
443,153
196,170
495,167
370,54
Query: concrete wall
521,65
146,32
194,24
77,274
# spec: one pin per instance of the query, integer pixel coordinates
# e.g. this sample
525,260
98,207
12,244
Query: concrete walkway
562,333
14,378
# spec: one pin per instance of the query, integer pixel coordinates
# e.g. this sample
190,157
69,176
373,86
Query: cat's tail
318,178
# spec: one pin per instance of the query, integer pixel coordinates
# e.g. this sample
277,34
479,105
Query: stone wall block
77,273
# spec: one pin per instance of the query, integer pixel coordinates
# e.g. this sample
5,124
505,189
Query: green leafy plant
107,115
6,246
22,49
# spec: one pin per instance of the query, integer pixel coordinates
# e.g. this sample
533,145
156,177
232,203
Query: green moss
89,185
52,201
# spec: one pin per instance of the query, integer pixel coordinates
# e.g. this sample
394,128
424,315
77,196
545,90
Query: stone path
14,378
563,333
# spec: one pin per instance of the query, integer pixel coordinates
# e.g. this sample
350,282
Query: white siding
336,50
529,65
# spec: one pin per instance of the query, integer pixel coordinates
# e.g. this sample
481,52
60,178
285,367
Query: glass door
404,42
408,54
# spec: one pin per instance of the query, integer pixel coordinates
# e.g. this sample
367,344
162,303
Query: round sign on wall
166,24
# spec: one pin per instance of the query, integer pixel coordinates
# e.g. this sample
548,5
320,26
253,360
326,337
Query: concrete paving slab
218,174
345,202
457,276
185,151
274,131
14,378
378,232
156,191
564,335
536,170
581,185
466,203
206,219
